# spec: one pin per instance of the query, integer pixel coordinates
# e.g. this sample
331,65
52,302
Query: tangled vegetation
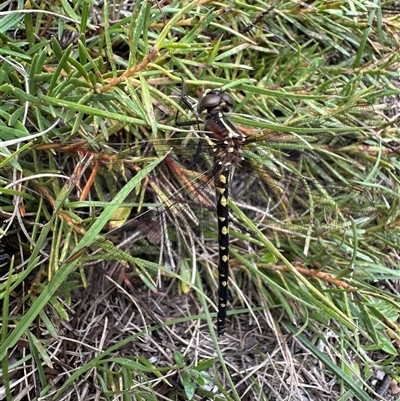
86,89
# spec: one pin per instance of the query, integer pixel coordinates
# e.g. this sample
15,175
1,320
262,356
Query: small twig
129,73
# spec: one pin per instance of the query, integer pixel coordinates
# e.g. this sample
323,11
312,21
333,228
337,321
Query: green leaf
188,386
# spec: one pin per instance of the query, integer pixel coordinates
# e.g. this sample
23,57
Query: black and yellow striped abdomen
221,185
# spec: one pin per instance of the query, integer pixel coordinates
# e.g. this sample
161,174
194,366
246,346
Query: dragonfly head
213,99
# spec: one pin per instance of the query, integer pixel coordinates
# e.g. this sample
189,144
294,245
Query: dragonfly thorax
229,151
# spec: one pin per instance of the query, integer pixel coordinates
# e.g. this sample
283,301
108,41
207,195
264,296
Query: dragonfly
287,192
276,177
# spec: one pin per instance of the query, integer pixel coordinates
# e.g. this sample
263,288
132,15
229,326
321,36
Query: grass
83,89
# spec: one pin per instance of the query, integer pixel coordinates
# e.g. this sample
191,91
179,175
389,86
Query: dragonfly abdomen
221,185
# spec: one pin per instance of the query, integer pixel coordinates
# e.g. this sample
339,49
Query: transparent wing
285,181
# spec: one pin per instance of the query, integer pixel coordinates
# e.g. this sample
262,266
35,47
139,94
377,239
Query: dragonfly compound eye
228,101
